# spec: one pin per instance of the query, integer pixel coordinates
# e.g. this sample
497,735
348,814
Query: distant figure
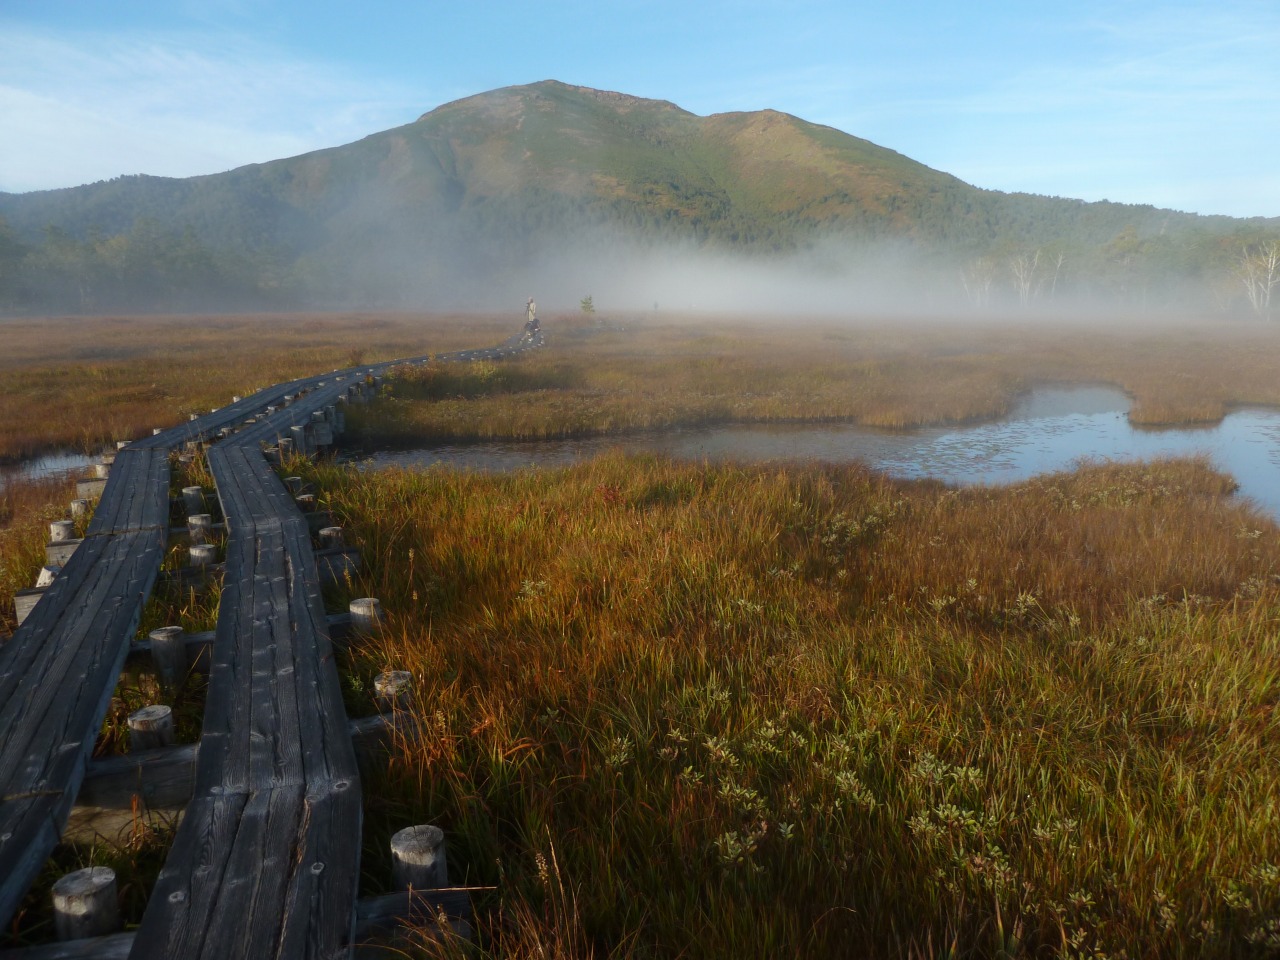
531,320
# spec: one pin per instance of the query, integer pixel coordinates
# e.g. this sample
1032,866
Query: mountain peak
556,90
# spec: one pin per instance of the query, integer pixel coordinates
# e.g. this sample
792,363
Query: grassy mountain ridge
493,181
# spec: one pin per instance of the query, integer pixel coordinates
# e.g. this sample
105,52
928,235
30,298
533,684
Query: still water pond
1049,430
49,465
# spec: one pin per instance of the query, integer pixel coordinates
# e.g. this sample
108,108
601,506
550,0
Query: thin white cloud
93,107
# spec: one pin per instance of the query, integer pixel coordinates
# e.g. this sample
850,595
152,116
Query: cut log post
392,689
306,502
101,471
202,554
24,601
151,727
301,442
169,655
86,904
79,507
59,554
330,538
193,498
90,488
366,616
293,485
47,575
286,448
199,526
121,444
61,530
418,858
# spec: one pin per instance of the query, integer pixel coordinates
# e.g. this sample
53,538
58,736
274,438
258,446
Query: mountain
496,185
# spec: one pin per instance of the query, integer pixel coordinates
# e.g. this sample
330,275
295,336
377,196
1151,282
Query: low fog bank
832,278
428,260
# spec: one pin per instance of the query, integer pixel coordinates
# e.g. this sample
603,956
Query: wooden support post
47,575
199,525
61,530
151,727
101,471
366,616
300,440
202,554
193,497
330,538
392,689
418,858
59,554
293,485
286,447
169,655
79,507
306,502
85,904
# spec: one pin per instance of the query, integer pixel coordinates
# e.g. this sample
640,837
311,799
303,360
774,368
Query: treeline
979,250
146,268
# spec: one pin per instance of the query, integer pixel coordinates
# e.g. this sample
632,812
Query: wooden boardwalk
266,859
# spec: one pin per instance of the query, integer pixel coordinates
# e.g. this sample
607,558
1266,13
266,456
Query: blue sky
1171,103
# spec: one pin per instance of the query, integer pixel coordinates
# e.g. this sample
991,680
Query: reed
27,507
77,383
656,375
735,711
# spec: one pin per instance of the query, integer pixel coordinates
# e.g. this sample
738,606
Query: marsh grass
81,382
659,374
27,507
755,711
715,711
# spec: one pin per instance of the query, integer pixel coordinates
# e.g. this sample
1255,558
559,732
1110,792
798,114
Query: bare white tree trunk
1023,267
1259,270
977,278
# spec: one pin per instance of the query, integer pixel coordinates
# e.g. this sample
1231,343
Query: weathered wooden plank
186,892
166,777
161,778
115,946
59,552
420,907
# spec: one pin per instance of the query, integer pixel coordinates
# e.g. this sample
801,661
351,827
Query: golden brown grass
653,374
80,382
84,381
26,510
737,711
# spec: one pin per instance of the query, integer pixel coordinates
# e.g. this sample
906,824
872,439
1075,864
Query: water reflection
48,466
1049,430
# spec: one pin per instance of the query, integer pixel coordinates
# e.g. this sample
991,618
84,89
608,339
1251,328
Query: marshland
681,708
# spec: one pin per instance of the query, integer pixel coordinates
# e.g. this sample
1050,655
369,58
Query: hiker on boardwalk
531,328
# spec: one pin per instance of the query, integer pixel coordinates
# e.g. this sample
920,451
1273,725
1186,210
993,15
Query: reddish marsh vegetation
734,711
652,374
84,381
